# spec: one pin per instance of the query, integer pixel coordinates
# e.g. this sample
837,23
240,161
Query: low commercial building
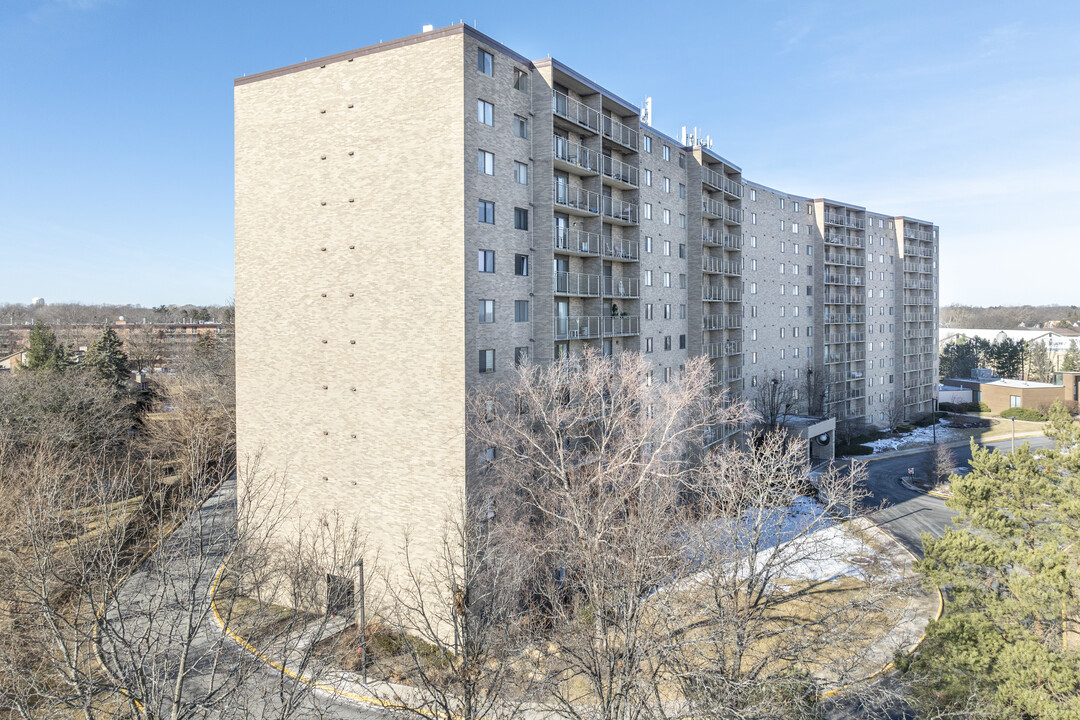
1000,394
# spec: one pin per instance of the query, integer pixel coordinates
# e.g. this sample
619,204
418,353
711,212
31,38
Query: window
484,61
753,311
521,265
521,127
682,281
782,246
682,342
795,228
783,311
667,279
682,160
667,311
521,355
486,212
810,251
667,375
667,184
648,378
794,269
486,261
781,203
648,278
646,211
753,263
521,311
485,112
682,221
667,247
783,355
781,224
667,152
753,358
521,219
487,361
795,249
521,173
667,216
521,80
682,190
753,288
485,162
648,311
682,312
1014,401
753,381
648,177
667,346
753,218
794,206
781,268
783,289
682,250
795,288
648,244
753,194
781,333
487,311
753,241
648,344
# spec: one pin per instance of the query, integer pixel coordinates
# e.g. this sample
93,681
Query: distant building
37,302
1001,394
1056,340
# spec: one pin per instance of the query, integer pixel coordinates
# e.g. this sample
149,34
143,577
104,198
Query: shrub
853,449
983,407
964,407
951,407
1022,413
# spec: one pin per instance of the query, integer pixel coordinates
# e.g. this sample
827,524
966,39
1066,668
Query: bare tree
942,465
774,401
895,412
815,391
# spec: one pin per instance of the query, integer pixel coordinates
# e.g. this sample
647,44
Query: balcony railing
621,326
733,215
844,318
712,178
925,268
712,236
832,218
918,251
918,365
618,170
728,348
834,238
577,241
720,294
918,334
620,210
918,317
619,249
848,298
577,327
577,198
841,259
721,266
918,285
617,132
574,111
580,284
721,322
835,338
917,300
911,233
574,154
617,287
733,188
711,207
853,280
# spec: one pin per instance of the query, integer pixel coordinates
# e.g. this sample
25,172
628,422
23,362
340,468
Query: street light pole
935,420
1013,434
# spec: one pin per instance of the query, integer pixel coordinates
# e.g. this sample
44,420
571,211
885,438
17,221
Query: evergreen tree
106,357
44,351
1006,356
1071,361
1040,368
1013,586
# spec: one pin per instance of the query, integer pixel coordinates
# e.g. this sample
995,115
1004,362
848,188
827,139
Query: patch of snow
918,436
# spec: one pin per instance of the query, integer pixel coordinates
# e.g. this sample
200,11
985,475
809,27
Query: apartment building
451,208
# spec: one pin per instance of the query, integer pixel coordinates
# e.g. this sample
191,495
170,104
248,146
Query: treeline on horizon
62,314
1008,317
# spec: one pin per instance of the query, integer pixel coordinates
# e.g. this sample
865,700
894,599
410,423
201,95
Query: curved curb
314,684
911,487
910,650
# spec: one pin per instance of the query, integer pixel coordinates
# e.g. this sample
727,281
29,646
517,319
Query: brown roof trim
381,47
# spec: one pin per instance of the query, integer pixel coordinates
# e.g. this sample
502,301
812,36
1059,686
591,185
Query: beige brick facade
426,212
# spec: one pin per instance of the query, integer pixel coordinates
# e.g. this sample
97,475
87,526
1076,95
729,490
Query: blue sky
116,119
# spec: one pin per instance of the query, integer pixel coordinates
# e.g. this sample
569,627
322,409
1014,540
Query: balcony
574,112
733,215
844,318
574,158
618,133
721,322
728,348
910,299
733,374
576,242
618,173
619,249
715,238
918,251
835,238
918,285
620,287
911,233
719,266
711,208
924,268
918,365
576,200
916,349
838,338
620,212
577,284
715,293
918,317
733,188
918,333
621,326
712,178
848,298
842,220
577,327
